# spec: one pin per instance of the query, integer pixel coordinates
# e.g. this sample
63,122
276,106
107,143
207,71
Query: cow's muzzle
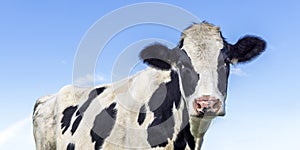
208,106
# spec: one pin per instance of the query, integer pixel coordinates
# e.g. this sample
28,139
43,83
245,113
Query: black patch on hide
185,136
67,116
223,73
189,77
71,146
79,114
103,124
142,115
93,94
76,124
161,104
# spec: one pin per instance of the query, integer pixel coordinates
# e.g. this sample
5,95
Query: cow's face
202,61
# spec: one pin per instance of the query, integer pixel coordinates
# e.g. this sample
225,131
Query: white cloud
89,80
237,71
13,130
64,62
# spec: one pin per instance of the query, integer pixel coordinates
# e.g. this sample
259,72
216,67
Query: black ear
246,49
157,55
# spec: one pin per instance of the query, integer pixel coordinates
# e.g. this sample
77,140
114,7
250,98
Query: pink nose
207,105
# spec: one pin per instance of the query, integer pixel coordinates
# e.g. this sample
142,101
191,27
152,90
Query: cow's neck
144,83
198,128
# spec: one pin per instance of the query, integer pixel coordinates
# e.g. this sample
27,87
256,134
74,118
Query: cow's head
202,61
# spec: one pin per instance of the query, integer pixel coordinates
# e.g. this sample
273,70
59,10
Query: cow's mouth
207,106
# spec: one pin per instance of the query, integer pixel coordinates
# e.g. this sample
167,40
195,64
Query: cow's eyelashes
227,61
227,64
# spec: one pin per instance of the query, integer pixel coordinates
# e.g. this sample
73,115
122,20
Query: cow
168,105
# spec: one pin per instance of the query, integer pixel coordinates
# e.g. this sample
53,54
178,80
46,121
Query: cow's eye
227,61
181,66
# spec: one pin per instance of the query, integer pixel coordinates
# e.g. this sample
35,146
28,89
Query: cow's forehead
201,31
203,43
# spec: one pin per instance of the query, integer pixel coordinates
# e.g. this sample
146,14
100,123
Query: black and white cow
169,105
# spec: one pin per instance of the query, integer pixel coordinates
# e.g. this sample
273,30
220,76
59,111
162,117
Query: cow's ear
246,49
157,56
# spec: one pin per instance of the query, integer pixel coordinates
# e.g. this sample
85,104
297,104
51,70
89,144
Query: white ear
234,61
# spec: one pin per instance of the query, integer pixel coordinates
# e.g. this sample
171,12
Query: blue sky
38,43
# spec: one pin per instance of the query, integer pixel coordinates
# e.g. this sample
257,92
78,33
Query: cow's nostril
198,106
217,105
207,105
